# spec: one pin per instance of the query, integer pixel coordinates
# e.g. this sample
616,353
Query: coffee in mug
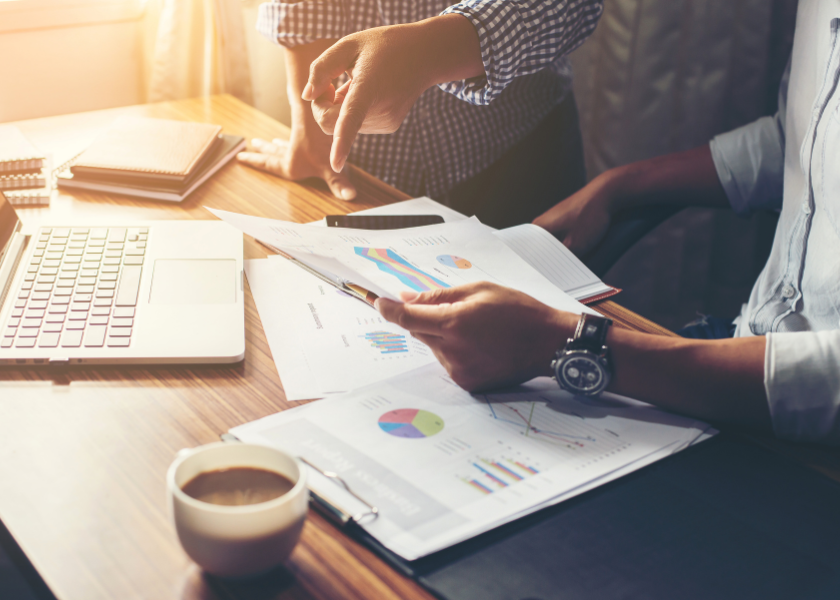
238,509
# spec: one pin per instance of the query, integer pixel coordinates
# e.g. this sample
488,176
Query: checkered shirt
456,130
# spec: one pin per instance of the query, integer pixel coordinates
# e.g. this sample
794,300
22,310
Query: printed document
323,341
443,465
419,259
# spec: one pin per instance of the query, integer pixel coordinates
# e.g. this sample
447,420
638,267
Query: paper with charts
323,341
443,466
418,259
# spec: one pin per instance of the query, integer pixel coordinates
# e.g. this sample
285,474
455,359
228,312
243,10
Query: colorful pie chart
410,423
454,262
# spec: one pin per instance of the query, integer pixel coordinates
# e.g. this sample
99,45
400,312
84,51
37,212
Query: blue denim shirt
791,162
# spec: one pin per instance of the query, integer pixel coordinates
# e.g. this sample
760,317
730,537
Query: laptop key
57,309
48,340
98,234
129,286
59,318
100,311
71,338
20,303
133,260
13,322
116,234
104,293
124,312
23,294
75,325
62,296
6,342
18,312
10,332
77,315
52,327
37,304
102,302
117,342
99,320
107,285
119,331
81,298
95,336
25,343
60,233
32,318
121,322
28,333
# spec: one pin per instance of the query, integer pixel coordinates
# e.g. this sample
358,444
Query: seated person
781,370
501,147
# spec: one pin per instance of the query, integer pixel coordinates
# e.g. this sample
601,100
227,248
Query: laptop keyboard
79,290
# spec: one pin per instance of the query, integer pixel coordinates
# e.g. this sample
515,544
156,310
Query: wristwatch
583,366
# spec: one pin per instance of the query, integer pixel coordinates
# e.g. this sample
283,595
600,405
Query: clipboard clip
334,513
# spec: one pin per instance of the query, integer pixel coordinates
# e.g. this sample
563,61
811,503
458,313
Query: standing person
498,136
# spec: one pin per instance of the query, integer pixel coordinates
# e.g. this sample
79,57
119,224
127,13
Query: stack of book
152,158
24,174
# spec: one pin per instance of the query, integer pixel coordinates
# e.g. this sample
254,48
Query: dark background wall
660,76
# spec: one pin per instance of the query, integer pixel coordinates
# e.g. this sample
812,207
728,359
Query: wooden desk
83,452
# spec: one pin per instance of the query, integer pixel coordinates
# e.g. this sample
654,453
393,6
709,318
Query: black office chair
627,228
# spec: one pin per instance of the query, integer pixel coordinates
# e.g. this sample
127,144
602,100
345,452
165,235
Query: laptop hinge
10,262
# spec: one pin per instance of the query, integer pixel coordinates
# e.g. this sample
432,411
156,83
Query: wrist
452,49
558,330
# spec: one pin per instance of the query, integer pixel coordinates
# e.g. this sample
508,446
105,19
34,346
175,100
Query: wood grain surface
84,451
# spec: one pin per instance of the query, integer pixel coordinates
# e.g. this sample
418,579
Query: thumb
340,184
440,295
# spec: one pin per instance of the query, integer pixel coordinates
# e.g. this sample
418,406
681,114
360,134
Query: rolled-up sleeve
520,37
750,160
294,24
802,380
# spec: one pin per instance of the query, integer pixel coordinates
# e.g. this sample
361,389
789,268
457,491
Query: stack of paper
442,465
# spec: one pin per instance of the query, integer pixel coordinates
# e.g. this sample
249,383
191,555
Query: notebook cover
17,154
139,145
725,520
220,156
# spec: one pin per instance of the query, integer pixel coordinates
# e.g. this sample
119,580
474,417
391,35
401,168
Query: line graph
571,433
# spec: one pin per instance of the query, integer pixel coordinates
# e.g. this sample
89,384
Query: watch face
582,373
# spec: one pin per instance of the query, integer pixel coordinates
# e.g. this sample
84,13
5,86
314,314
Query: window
19,15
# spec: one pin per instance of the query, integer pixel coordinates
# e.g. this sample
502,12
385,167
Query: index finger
417,318
352,115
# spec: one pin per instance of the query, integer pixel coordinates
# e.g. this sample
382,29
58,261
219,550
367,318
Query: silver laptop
131,293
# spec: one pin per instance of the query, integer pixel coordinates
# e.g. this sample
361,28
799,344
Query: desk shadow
170,375
583,407
199,585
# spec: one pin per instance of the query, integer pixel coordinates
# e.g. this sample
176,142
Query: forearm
709,379
681,179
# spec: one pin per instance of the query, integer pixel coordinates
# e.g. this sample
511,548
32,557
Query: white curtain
196,48
660,76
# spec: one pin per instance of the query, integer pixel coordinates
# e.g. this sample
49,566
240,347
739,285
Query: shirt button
788,292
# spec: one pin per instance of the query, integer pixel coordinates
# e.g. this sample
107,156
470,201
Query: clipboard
723,520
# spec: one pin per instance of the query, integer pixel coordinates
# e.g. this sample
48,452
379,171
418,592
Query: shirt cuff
492,20
803,385
303,22
750,165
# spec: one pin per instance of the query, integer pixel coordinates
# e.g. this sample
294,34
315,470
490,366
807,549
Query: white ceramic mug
237,541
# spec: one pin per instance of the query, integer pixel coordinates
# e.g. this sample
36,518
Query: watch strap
591,333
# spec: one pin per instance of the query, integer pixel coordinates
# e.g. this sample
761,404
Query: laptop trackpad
177,281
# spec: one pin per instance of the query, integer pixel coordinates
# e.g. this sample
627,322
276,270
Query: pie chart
454,262
410,423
